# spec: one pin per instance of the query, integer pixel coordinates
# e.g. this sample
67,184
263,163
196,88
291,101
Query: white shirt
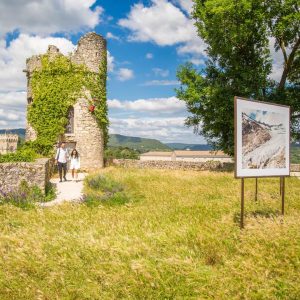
61,155
75,163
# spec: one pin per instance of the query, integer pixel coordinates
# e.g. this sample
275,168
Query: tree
239,35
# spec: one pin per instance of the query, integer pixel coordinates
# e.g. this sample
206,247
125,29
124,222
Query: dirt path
70,191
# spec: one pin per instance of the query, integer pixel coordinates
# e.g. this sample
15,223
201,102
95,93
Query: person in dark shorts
61,159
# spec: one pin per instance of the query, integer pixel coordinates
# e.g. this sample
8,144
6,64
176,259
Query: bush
103,190
103,183
40,147
121,153
50,193
22,155
25,196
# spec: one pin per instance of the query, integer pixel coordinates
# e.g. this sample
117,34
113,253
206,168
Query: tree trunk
288,64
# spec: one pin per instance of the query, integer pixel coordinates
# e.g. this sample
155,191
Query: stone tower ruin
82,130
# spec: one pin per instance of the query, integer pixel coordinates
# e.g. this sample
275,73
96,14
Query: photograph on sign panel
264,139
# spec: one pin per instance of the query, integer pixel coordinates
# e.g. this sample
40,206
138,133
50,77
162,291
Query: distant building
187,155
8,143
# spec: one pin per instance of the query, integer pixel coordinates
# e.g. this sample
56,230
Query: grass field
177,239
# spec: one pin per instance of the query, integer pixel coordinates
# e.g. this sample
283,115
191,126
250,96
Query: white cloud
13,100
12,110
161,72
186,5
161,83
162,23
9,115
161,105
13,58
163,129
194,46
48,16
125,74
149,55
165,25
197,61
157,118
111,36
110,62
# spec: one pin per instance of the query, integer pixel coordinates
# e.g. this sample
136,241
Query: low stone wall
34,173
174,165
295,168
181,165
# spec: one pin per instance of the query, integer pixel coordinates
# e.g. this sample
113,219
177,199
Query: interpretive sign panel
262,139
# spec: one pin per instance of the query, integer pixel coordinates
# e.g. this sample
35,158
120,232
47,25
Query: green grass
181,240
103,190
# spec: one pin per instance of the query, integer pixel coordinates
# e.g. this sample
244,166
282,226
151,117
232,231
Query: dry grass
181,240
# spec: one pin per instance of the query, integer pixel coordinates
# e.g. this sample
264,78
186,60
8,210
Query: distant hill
142,144
20,132
194,147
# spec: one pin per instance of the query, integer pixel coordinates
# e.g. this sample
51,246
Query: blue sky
147,42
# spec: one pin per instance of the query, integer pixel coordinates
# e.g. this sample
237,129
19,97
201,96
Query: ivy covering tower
67,100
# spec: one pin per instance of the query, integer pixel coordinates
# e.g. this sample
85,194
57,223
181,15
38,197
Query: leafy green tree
238,34
121,153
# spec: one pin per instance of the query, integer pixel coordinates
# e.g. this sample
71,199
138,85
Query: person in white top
75,163
61,159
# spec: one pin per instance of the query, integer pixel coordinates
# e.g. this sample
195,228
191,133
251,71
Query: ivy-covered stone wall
57,83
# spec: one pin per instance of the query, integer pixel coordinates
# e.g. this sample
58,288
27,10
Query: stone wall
174,165
35,173
182,165
295,168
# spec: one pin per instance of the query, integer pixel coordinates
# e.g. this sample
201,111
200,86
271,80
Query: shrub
41,147
121,153
50,193
104,190
25,196
22,155
103,183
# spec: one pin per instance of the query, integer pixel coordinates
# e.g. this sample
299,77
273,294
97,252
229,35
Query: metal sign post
282,194
256,188
242,203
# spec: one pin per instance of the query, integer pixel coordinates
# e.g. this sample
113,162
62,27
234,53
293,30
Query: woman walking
75,163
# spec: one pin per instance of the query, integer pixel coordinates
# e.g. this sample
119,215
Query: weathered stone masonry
86,135
182,165
36,173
